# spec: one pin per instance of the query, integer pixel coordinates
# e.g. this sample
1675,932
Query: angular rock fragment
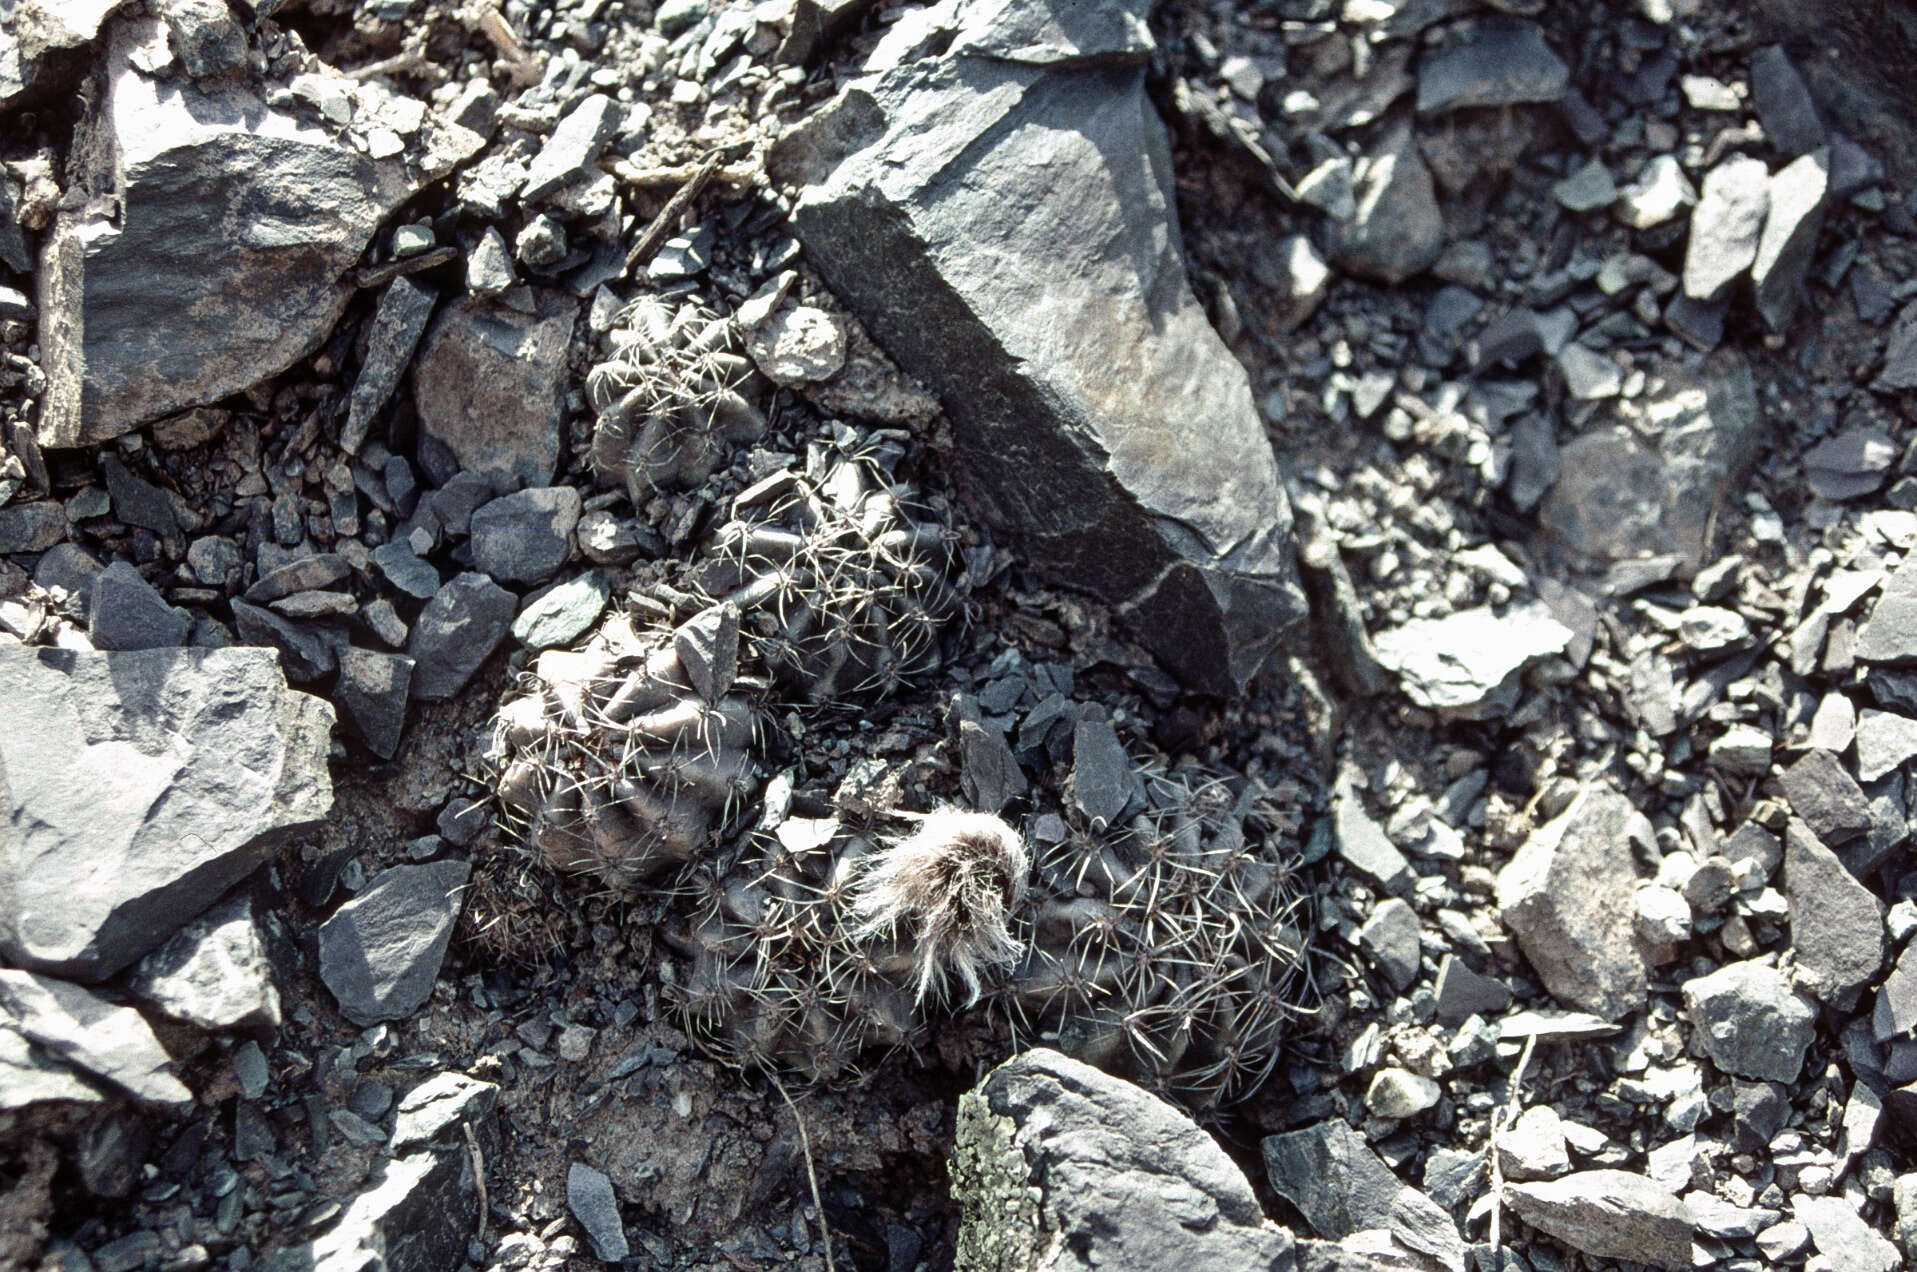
1051,1152
1396,229
1842,1236
1610,1214
1750,1021
125,613
1463,993
1852,464
1469,662
489,384
1341,1186
1789,242
525,536
39,36
1499,62
457,631
372,692
1570,895
1784,103
569,151
398,323
213,972
1099,418
1620,496
1826,796
589,1196
1889,636
562,613
110,1042
1726,225
1837,926
381,951
418,1209
213,254
1361,841
1390,935
136,788
31,527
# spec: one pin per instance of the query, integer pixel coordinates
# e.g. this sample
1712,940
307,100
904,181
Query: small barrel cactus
670,398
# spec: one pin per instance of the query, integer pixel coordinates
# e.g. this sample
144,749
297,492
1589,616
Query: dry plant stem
1498,1120
661,226
811,1175
479,1175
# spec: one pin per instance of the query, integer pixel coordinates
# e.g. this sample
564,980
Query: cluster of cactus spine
670,398
629,757
1169,949
844,572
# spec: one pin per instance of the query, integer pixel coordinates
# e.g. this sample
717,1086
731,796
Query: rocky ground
508,514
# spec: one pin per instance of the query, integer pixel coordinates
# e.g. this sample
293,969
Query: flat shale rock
1842,1236
212,257
1611,1214
1827,797
112,1043
1058,1165
1341,1187
125,613
1001,217
1750,1021
1570,895
137,788
1619,496
456,632
1499,62
1468,663
490,383
1890,634
213,972
1837,926
381,951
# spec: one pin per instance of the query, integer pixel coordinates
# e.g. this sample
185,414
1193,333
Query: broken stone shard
1099,418
1570,895
110,1042
214,972
1610,1214
1051,1153
1653,488
214,255
490,386
1469,662
136,788
380,953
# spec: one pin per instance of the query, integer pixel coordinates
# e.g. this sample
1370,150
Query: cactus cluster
1165,946
1169,949
670,397
843,572
627,758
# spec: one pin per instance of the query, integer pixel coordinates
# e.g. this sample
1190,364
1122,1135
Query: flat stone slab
213,257
137,788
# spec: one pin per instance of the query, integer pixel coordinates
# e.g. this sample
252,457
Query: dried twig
811,1176
479,1174
660,227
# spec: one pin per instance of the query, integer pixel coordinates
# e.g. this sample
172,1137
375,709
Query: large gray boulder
136,788
1001,217
1059,1165
209,254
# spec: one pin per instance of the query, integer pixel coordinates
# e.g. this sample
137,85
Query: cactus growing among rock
670,397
